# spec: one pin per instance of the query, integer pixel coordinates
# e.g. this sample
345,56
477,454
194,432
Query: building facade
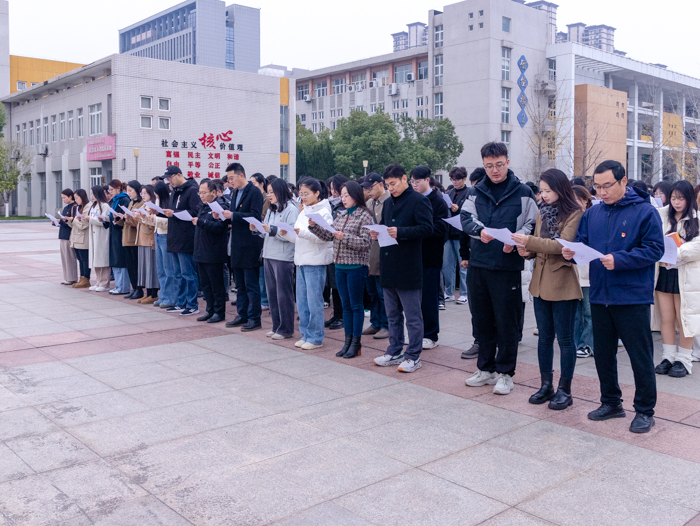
202,32
127,117
416,35
26,72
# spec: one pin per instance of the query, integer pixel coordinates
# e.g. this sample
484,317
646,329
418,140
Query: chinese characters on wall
207,157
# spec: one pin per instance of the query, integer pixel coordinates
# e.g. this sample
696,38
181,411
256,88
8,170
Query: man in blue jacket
627,229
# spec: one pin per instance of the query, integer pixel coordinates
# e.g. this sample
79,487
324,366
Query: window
395,117
53,128
76,179
321,89
505,24
419,102
438,36
95,112
372,108
314,127
146,123
471,28
340,113
314,116
423,70
303,117
400,73
332,125
551,146
58,180
505,63
438,70
359,80
95,176
80,122
163,123
380,105
552,70
46,130
360,108
62,126
338,86
71,135
505,138
284,172
321,126
481,25
320,115
31,133
404,103
438,106
332,114
302,91
471,16
419,113
404,114
481,13
552,108
21,85
395,105
24,133
380,78
284,129
164,104
146,103
505,105
38,131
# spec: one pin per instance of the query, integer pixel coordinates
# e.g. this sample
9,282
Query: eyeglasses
457,178
608,186
304,195
491,167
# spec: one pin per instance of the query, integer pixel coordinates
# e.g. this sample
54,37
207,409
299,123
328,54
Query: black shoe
371,330
563,398
473,352
664,367
205,317
546,392
189,312
237,322
328,322
251,325
129,295
678,370
215,319
337,324
341,352
642,423
136,295
355,347
605,412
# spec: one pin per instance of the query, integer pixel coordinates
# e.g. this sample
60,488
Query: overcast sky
317,33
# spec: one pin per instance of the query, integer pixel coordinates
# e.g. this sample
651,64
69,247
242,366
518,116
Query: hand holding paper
583,254
183,215
126,210
454,221
287,228
383,236
258,225
503,235
54,221
318,219
216,207
447,199
154,207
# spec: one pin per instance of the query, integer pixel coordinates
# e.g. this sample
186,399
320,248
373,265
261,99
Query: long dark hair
665,187
692,227
282,193
150,192
136,187
355,191
68,193
583,193
100,196
315,186
560,185
163,192
260,179
83,199
336,182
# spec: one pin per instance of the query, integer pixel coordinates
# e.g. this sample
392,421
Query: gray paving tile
323,515
306,365
92,408
23,423
406,398
571,504
259,353
50,451
81,324
38,372
58,389
169,351
288,394
241,379
106,361
230,341
351,381
135,375
8,400
146,511
11,466
143,317
417,498
202,363
39,328
35,500
173,392
515,517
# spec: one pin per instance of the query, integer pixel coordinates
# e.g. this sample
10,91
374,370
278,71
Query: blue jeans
377,316
583,326
351,287
121,279
186,279
450,260
263,289
556,318
165,266
310,282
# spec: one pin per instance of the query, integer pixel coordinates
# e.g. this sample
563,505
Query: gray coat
279,247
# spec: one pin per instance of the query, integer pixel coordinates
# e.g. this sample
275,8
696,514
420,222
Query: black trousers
496,306
248,292
132,266
631,324
83,256
430,303
211,281
335,295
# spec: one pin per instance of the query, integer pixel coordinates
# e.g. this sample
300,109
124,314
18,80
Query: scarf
549,229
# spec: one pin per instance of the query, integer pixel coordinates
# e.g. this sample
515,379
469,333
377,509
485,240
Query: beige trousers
102,277
69,261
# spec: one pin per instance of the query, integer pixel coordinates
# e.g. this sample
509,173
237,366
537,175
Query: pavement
113,413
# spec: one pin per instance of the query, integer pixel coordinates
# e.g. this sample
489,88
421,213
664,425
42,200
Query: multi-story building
499,70
128,118
203,32
417,35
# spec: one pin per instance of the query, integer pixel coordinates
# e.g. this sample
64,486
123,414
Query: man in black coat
210,238
433,246
185,197
408,217
458,194
246,201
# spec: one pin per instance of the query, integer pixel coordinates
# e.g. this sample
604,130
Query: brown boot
83,283
148,300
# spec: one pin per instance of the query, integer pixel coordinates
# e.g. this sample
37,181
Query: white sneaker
449,298
408,366
308,346
462,300
299,343
277,337
93,287
270,334
387,359
101,289
504,385
429,344
480,378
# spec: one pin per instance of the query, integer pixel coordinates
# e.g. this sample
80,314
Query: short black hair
236,168
458,172
578,181
211,185
615,166
477,175
494,150
395,171
224,179
535,189
420,172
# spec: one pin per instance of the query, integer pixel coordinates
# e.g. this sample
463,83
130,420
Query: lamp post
365,163
136,157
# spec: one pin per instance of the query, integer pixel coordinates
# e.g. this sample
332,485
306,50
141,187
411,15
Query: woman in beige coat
80,238
555,285
145,239
99,238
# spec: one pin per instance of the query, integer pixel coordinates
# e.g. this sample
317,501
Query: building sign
101,148
206,157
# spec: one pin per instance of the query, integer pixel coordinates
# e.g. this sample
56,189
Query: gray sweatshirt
276,246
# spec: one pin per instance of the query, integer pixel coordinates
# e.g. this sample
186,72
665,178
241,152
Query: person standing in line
312,256
246,201
432,250
68,260
129,238
278,258
351,245
117,252
458,194
165,261
583,326
80,238
260,182
99,238
334,184
146,242
379,324
554,284
627,229
494,283
409,219
185,197
678,286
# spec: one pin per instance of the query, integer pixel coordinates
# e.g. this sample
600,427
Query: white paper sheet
126,210
289,229
596,202
142,211
455,221
183,215
78,215
583,253
670,256
658,202
112,211
61,215
383,237
501,234
216,207
258,225
54,221
447,199
154,207
318,219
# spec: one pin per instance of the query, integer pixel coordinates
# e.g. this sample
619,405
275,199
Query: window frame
338,85
423,71
20,88
506,21
161,99
150,120
71,123
81,123
302,91
438,100
438,70
321,88
505,63
400,73
505,105
95,117
150,102
161,120
439,35
62,126
53,128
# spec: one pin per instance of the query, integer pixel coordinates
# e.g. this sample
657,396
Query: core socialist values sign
207,156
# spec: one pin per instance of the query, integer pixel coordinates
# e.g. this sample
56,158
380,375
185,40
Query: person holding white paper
678,287
68,259
80,238
147,272
451,258
117,252
130,238
99,238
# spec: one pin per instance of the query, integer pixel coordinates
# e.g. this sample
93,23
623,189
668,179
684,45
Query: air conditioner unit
393,89
307,98
351,87
410,77
373,84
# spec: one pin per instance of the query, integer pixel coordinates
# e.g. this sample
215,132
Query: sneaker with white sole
462,300
279,337
175,309
270,334
308,346
441,306
504,385
101,289
93,287
480,378
408,366
387,359
189,312
449,298
299,343
429,344
584,352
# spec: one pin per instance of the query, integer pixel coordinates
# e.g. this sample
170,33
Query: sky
312,34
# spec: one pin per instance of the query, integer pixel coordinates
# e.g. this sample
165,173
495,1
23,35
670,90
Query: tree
429,142
3,120
314,153
14,163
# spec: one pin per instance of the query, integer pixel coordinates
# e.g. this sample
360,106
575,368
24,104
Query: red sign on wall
101,148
